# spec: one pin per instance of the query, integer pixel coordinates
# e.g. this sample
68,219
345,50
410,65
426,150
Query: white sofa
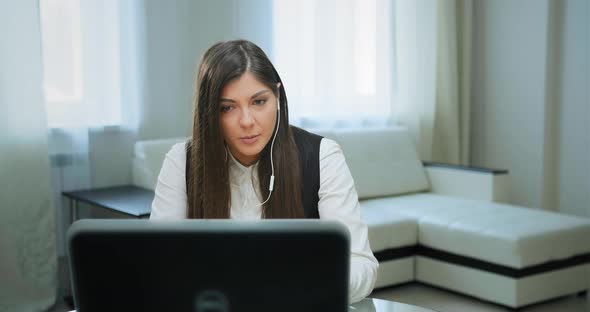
444,225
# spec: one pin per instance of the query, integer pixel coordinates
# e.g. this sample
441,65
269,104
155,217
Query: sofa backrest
383,162
148,157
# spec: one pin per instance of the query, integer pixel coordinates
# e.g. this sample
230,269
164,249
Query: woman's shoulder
302,134
178,152
326,146
329,148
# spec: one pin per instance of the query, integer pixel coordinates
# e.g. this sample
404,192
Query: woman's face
248,114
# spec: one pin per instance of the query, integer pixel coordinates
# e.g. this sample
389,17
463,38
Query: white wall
509,60
530,99
573,161
175,35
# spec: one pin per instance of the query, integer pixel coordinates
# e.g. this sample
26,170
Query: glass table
380,305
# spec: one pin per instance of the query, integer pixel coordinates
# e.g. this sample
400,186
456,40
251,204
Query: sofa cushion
503,234
389,230
148,157
383,162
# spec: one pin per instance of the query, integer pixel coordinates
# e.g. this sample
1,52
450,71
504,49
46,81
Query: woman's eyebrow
259,93
253,96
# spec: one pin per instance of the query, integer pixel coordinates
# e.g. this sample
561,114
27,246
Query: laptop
209,265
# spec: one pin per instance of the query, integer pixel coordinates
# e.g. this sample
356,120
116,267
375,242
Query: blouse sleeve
170,194
339,201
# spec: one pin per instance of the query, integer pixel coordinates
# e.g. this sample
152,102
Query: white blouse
338,200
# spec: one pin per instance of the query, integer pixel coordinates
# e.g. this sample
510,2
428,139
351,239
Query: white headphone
272,174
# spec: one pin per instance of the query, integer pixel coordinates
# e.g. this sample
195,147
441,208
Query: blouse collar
238,172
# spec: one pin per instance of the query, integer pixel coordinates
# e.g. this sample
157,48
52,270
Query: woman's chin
248,155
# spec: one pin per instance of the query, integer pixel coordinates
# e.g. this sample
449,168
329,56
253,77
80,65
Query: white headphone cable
272,174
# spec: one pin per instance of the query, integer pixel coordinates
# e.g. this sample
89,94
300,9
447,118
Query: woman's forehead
243,87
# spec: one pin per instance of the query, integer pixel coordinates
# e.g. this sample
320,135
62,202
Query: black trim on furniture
436,254
395,253
501,269
467,168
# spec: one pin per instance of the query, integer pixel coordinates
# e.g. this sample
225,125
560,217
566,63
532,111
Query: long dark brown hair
208,192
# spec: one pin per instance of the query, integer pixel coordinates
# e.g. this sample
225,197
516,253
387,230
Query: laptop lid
209,265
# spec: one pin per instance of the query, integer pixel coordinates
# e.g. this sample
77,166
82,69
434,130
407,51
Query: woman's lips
250,139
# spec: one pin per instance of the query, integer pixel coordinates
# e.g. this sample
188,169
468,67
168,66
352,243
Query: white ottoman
501,253
393,238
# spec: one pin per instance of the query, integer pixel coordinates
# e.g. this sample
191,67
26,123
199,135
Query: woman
245,161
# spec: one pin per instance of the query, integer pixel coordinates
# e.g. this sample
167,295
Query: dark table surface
128,199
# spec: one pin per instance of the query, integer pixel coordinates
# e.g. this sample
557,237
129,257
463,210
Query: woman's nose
246,119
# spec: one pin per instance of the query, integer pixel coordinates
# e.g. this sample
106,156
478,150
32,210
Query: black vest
308,145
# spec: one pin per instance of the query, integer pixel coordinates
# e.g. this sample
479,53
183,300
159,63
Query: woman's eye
259,102
226,108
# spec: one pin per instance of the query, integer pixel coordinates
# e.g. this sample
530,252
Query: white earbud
272,174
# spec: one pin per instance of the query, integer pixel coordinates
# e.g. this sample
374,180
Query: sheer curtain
361,63
433,47
335,58
28,265
90,58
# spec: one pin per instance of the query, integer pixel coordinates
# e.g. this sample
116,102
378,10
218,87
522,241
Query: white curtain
70,170
335,59
415,44
28,265
433,48
92,92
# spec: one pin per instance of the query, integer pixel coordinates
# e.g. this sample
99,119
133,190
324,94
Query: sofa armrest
141,176
148,157
468,182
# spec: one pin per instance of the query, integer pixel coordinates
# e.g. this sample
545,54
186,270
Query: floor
443,301
416,294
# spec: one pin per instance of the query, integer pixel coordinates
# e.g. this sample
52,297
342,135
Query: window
81,62
335,58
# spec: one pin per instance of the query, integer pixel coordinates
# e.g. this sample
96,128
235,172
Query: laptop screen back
209,265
